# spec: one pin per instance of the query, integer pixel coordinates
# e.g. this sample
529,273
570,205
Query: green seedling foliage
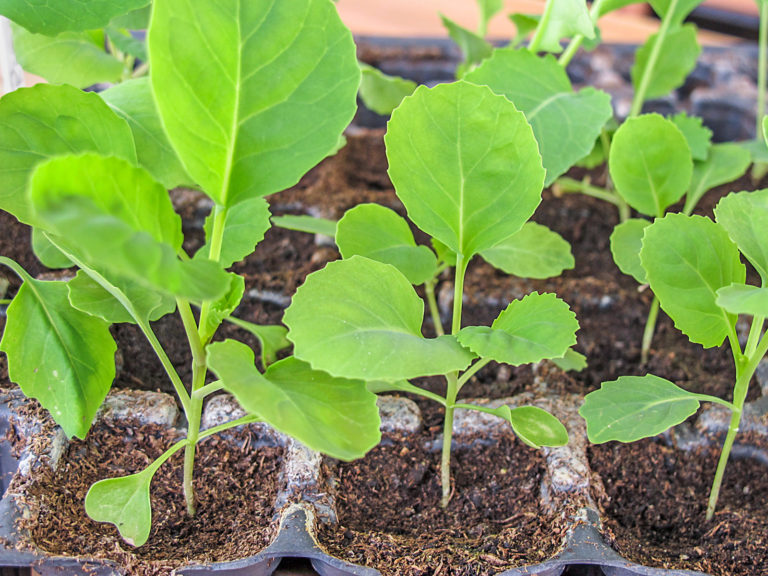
743,299
488,9
47,253
524,25
725,163
135,20
608,6
124,42
383,93
668,73
244,227
76,58
565,123
52,18
242,132
682,8
46,121
626,242
309,224
651,177
533,252
562,19
224,307
698,136
133,101
745,216
473,46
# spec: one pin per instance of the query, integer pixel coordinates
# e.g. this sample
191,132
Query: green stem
434,311
762,71
445,459
458,293
160,460
249,419
477,366
217,238
208,389
656,51
565,185
755,332
5,301
650,329
542,27
576,41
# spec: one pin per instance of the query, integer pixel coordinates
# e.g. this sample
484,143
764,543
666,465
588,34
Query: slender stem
141,70
645,81
458,293
755,332
566,185
217,238
445,460
650,329
160,460
434,311
542,27
477,366
576,41
5,301
208,389
762,68
249,419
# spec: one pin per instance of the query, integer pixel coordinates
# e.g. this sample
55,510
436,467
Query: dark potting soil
235,483
390,516
655,504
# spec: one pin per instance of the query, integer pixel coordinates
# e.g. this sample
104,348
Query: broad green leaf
334,416
669,73
571,361
272,339
244,227
488,9
534,426
223,308
744,216
635,407
126,43
533,252
698,136
380,234
687,259
538,327
608,6
524,25
88,296
473,47
726,163
134,102
47,253
626,242
309,224
655,175
682,8
45,121
136,20
76,58
65,15
565,123
744,299
383,93
62,357
565,19
124,502
114,218
465,164
278,88
358,318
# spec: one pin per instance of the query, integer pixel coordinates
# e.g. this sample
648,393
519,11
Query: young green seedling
466,165
221,105
693,266
653,176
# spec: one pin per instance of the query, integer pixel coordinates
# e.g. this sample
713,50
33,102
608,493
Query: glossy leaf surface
669,73
744,299
533,252
626,242
244,227
63,15
725,163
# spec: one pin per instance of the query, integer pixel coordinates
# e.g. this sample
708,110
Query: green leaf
47,253
726,163
524,25
334,416
126,43
465,164
765,127
358,318
744,216
76,58
63,15
744,299
114,218
757,149
272,339
608,6
698,136
687,259
135,20
572,361
444,254
489,9
134,102
655,175
567,18
45,121
538,327
309,224
565,123
378,233
534,426
473,47
62,357
669,73
223,308
626,242
278,89
125,503
244,227
88,296
635,407
682,9
383,93
533,252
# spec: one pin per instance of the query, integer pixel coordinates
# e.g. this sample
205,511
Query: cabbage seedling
466,165
693,266
221,103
